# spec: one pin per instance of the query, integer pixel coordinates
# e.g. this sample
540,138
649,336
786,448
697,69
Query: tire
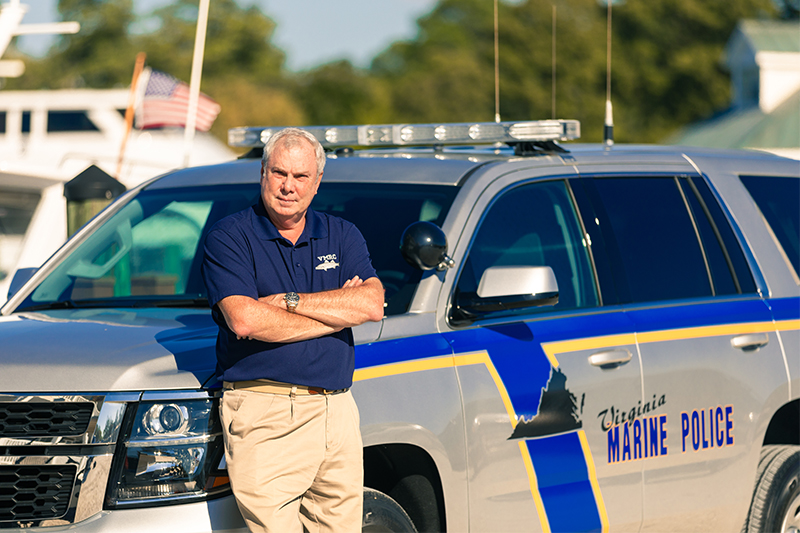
776,499
384,515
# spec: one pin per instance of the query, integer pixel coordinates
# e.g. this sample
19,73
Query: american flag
166,100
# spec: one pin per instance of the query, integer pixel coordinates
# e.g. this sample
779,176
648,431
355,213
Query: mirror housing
504,288
21,276
424,246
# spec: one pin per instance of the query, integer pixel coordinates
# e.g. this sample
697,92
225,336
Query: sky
310,32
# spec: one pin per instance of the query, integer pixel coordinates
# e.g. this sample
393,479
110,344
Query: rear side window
779,202
667,239
729,269
647,223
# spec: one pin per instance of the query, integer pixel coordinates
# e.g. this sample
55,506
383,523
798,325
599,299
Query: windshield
149,252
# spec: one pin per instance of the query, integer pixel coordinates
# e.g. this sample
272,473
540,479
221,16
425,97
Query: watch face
291,299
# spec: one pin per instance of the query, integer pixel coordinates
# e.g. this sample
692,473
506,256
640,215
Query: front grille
46,419
36,492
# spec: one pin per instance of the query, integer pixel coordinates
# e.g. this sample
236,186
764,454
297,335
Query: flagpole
129,111
496,65
194,83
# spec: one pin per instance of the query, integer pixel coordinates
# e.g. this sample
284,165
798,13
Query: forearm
258,320
354,304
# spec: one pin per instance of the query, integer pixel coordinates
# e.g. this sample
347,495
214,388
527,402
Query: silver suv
576,338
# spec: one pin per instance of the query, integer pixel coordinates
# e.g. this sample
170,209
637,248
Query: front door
547,391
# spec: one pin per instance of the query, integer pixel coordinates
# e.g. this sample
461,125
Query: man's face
289,182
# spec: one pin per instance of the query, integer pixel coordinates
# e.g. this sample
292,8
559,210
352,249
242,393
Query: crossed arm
317,314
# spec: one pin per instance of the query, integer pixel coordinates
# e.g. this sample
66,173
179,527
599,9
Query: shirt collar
314,229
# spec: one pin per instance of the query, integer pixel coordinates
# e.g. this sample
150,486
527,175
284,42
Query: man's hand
355,282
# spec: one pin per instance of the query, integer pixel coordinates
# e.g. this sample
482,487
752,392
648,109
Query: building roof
747,128
772,35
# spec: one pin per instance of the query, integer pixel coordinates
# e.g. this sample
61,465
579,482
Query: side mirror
424,246
21,276
504,288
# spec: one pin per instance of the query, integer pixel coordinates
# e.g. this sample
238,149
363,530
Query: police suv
576,338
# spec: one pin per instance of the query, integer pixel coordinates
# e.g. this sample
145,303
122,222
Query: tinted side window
534,225
779,202
729,268
656,252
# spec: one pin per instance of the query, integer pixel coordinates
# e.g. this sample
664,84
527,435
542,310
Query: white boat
47,138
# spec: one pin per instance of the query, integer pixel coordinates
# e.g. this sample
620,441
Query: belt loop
292,396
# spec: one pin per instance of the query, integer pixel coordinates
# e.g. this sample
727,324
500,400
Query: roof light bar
420,134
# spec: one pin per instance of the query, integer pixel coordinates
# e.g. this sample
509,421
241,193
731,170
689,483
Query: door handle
750,342
610,358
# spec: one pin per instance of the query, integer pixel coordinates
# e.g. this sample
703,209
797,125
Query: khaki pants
295,463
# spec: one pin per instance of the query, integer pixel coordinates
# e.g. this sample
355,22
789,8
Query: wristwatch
291,299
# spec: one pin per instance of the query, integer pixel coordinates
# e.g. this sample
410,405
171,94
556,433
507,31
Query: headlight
174,452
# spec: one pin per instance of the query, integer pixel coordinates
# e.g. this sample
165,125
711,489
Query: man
286,284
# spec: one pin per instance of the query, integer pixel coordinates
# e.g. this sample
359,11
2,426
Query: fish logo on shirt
327,262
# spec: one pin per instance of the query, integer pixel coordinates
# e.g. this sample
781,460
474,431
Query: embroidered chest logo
327,262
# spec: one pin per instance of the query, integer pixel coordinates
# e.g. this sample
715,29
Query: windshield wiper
65,304
184,302
119,303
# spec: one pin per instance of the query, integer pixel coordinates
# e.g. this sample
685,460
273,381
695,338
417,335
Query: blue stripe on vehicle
564,483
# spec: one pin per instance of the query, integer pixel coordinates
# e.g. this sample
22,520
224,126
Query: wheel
776,499
383,515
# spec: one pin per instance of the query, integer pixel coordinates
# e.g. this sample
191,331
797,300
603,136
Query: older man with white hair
286,284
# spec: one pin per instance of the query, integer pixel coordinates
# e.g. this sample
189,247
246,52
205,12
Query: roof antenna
496,67
553,103
608,128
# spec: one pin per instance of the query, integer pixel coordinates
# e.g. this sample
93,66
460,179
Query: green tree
447,73
237,42
242,70
101,55
667,68
338,93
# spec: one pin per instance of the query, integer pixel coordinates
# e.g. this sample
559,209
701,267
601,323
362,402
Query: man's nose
288,184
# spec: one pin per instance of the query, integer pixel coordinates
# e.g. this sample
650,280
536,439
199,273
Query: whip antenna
496,67
608,128
553,103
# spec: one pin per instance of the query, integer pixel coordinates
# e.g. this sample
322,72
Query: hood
102,350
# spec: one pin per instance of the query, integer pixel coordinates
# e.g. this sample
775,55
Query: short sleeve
227,266
355,250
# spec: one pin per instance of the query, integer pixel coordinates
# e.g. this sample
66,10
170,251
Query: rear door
709,351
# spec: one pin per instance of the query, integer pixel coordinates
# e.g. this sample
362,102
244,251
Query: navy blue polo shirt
246,255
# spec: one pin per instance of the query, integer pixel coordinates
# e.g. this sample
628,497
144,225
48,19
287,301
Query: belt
276,387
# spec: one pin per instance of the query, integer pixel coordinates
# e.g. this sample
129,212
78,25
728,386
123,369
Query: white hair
291,136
